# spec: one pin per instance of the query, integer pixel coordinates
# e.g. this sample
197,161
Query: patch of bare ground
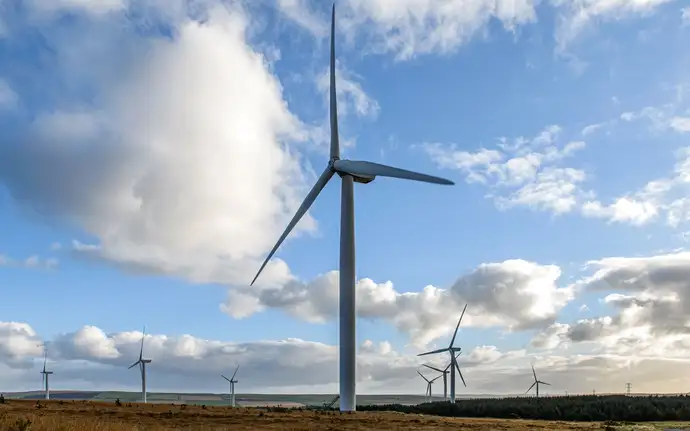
20,415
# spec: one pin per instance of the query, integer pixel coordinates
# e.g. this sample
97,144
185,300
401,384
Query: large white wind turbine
142,366
453,358
428,386
46,373
536,383
232,382
350,172
444,372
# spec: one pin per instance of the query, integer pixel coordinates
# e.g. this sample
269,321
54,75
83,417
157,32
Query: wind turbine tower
536,383
427,394
142,366
444,373
46,374
232,382
453,358
350,172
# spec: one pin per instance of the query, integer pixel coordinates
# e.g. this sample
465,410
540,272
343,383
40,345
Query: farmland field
89,415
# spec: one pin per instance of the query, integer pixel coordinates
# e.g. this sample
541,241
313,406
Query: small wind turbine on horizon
453,358
142,366
428,385
536,383
232,382
46,373
444,373
350,172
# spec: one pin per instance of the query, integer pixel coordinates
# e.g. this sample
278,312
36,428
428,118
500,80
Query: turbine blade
457,326
434,368
134,365
433,352
45,359
530,388
371,169
535,373
225,377
143,335
544,383
233,376
457,367
427,380
335,143
434,379
308,201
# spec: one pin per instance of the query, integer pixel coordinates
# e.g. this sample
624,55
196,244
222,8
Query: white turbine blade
134,364
530,388
544,383
535,373
434,368
457,367
433,352
308,201
457,326
335,143
45,359
143,335
233,376
434,379
427,380
225,377
371,169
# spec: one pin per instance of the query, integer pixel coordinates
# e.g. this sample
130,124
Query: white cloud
680,124
300,12
32,262
576,15
514,294
89,359
522,172
8,97
592,128
663,197
189,134
409,28
351,97
685,15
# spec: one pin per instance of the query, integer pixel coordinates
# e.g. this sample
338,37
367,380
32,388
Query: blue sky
151,157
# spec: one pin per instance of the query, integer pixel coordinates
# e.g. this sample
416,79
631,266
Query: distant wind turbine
350,172
46,386
232,382
536,383
142,365
444,373
428,385
453,358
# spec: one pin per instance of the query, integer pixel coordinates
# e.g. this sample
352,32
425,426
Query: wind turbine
536,383
428,385
350,172
46,387
444,373
142,365
232,386
453,358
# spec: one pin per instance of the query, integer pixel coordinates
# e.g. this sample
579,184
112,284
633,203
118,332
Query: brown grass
98,416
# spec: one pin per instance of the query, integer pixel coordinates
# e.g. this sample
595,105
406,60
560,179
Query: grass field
55,415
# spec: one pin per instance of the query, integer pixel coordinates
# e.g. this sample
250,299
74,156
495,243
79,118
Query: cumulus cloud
521,172
663,197
515,294
648,298
89,359
162,146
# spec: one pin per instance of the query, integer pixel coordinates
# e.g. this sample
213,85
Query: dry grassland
19,415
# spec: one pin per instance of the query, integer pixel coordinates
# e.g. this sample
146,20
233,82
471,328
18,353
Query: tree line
564,408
